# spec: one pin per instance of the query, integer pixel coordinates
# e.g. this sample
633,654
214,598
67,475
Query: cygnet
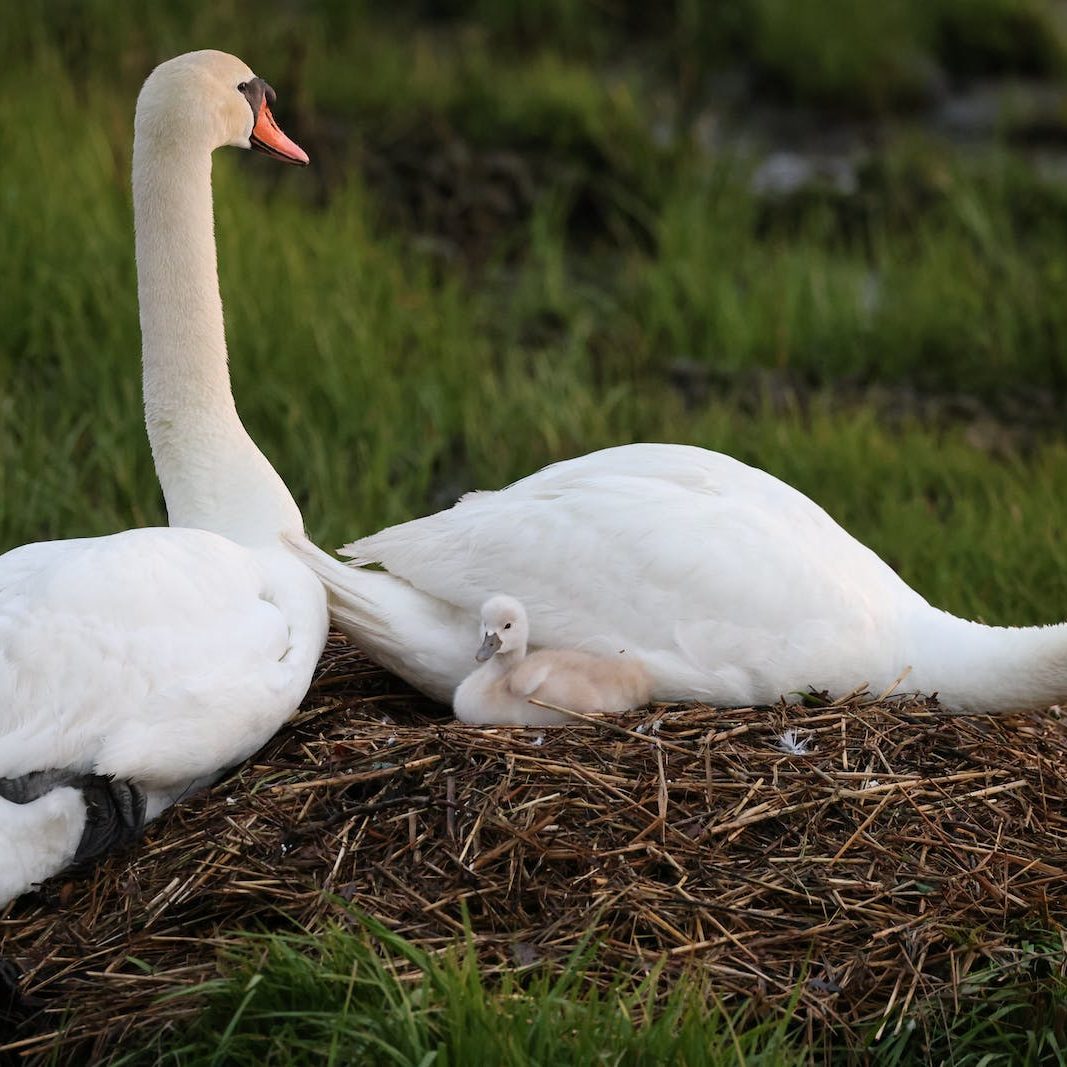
499,692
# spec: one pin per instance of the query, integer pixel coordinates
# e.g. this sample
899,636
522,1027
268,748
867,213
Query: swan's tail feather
420,638
350,609
354,552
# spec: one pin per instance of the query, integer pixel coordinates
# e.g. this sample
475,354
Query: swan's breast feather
150,648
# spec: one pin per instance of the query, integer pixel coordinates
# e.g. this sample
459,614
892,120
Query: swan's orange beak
267,137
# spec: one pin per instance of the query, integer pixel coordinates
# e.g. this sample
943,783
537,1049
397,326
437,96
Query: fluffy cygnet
500,691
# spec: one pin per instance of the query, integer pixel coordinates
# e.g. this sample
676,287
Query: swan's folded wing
148,654
631,557
705,568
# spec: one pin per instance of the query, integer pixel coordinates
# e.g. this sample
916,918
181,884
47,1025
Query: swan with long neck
135,667
729,585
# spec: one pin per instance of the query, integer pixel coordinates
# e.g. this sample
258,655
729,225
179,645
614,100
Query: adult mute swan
501,689
135,667
729,585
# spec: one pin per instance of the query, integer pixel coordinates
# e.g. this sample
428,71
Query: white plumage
729,585
159,657
501,689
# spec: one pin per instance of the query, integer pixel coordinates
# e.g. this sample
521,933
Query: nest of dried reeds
875,859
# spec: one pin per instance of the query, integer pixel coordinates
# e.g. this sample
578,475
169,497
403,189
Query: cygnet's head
504,627
203,100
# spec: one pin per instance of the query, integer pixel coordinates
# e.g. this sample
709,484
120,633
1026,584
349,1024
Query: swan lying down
134,668
500,691
729,585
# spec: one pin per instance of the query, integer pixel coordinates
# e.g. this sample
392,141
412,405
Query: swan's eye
507,626
242,87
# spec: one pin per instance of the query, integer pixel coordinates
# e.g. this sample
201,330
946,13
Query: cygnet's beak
268,137
490,646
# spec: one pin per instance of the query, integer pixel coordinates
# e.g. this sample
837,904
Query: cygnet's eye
507,626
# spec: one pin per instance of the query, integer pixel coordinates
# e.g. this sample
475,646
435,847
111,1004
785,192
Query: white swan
135,667
728,584
501,689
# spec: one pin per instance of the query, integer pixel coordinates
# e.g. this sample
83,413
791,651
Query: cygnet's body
500,691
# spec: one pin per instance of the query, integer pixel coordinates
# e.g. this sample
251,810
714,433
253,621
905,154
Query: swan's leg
69,823
115,811
115,815
29,787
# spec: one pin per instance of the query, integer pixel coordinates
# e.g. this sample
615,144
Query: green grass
359,994
292,998
382,385
384,376
847,56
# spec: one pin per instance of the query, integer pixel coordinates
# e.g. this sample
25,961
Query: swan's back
727,582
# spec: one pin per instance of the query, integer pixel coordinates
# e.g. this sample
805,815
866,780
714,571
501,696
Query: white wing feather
686,557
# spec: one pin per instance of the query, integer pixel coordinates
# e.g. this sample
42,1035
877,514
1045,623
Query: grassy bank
383,383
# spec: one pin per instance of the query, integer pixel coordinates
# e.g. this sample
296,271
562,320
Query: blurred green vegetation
502,258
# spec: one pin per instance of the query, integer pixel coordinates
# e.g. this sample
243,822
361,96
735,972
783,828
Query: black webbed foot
115,815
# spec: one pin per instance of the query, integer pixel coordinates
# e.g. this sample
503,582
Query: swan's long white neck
213,475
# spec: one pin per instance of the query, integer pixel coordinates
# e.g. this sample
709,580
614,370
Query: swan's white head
209,99
504,627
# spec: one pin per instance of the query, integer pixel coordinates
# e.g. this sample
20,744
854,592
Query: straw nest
902,854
